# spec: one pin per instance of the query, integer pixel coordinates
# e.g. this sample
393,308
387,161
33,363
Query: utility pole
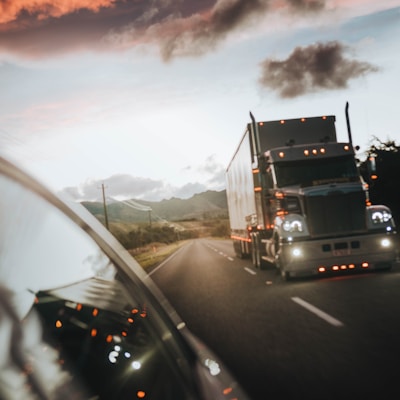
105,206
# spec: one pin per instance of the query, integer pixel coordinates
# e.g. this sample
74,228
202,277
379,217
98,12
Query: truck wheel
256,251
285,275
254,259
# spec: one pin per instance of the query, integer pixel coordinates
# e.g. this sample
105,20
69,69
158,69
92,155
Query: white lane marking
221,253
328,318
250,271
169,258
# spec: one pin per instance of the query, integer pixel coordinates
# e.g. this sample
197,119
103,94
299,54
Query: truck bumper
333,255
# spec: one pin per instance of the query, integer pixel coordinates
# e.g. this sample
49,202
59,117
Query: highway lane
313,338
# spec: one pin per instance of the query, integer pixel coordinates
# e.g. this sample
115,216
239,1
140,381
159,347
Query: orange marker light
227,390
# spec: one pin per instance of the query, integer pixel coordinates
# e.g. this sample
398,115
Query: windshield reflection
40,248
83,328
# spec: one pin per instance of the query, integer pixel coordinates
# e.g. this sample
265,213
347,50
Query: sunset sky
151,97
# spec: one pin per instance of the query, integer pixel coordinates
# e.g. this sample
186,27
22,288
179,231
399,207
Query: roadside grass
155,253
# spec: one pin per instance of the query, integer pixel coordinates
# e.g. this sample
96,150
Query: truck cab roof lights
346,147
281,154
314,151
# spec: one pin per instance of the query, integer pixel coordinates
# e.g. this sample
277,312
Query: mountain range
209,204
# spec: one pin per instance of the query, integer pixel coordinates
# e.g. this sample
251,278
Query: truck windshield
318,171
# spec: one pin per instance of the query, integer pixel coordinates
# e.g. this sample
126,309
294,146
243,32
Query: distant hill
209,204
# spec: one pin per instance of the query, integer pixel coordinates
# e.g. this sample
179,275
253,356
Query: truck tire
285,275
254,250
278,264
256,258
240,249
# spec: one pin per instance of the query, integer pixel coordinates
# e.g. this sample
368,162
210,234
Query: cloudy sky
151,97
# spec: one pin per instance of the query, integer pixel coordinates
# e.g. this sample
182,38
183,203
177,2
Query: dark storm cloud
307,6
38,28
310,69
202,32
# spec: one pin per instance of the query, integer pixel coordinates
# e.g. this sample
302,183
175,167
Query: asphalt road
328,338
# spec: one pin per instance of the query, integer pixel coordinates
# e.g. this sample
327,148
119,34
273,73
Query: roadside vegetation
152,244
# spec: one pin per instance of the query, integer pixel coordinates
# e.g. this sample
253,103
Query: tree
384,189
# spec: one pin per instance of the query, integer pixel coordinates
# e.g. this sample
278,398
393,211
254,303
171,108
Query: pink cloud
10,10
179,28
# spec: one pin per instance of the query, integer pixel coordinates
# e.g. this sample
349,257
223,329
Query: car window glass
81,332
39,247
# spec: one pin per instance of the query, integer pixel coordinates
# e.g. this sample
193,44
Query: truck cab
305,208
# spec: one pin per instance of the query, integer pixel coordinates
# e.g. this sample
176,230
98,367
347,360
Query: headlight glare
380,217
292,226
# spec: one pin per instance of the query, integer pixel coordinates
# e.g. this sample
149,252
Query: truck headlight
381,216
296,252
292,226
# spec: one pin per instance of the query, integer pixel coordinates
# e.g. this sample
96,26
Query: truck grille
336,213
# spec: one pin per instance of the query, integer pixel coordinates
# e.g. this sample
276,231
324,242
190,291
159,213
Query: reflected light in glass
227,390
